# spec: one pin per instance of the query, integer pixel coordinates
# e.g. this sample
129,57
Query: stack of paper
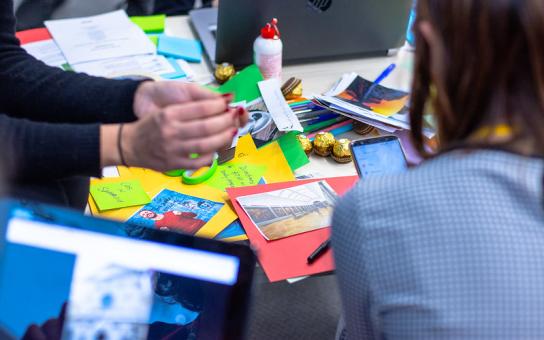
373,104
112,45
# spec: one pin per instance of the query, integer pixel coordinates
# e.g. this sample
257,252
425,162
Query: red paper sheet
287,258
33,35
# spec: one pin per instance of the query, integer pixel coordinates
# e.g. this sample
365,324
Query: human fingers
209,144
207,127
197,92
52,329
196,110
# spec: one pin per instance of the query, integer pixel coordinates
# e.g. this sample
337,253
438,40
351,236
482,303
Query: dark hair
491,65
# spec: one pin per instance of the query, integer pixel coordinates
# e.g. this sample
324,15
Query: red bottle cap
270,31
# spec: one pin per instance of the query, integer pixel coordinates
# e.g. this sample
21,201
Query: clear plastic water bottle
405,58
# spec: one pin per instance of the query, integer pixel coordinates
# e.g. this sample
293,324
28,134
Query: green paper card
150,24
293,151
117,195
244,85
154,39
237,175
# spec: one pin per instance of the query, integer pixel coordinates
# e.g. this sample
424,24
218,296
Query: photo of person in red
184,222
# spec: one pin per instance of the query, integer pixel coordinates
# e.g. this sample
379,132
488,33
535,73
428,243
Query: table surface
317,78
308,309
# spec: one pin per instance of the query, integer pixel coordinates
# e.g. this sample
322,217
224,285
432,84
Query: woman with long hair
453,249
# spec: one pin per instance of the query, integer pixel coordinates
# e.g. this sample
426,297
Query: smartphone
378,156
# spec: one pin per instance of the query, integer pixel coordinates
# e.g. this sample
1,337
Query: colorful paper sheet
179,48
293,151
115,195
232,232
150,24
237,175
244,85
287,258
33,35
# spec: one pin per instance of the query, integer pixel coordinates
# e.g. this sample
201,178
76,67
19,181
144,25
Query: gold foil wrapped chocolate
223,72
323,143
341,151
292,89
362,128
306,144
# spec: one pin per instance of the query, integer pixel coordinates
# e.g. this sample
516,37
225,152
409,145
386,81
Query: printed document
146,65
105,36
46,51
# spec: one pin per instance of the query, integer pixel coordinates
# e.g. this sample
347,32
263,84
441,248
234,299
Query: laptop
96,279
311,30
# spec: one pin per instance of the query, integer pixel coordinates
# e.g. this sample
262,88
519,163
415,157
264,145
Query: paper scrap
179,48
154,39
281,112
233,230
236,175
33,35
116,195
105,36
151,23
244,85
46,51
293,151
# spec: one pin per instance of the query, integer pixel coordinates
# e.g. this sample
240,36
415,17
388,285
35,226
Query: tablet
98,279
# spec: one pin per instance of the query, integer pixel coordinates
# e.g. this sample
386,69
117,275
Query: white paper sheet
281,113
46,51
105,36
151,65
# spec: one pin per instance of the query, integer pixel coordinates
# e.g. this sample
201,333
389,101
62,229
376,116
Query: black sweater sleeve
30,89
44,151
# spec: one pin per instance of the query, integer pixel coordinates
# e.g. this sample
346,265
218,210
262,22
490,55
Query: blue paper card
234,229
180,48
178,73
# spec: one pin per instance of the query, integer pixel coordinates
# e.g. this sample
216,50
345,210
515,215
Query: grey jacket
453,249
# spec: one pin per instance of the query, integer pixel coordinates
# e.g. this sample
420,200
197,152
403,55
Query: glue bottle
268,50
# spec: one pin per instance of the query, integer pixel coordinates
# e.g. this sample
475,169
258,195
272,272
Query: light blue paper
179,48
178,73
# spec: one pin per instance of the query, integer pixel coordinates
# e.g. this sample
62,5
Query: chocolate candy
292,89
362,128
323,143
223,72
306,144
341,151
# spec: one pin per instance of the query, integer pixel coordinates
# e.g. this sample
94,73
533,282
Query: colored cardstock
150,24
118,195
244,85
287,258
33,35
293,151
179,48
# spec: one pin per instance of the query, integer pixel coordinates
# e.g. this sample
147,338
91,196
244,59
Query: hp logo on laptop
320,5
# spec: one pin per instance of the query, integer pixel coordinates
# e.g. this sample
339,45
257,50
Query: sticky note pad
186,49
237,175
244,85
150,24
117,195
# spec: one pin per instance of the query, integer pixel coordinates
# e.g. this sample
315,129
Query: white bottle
268,51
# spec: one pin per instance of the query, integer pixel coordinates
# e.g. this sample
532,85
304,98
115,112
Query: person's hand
151,97
167,140
50,330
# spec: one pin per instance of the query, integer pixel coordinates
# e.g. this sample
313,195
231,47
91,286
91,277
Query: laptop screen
97,285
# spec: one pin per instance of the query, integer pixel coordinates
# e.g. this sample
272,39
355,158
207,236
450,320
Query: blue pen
378,80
